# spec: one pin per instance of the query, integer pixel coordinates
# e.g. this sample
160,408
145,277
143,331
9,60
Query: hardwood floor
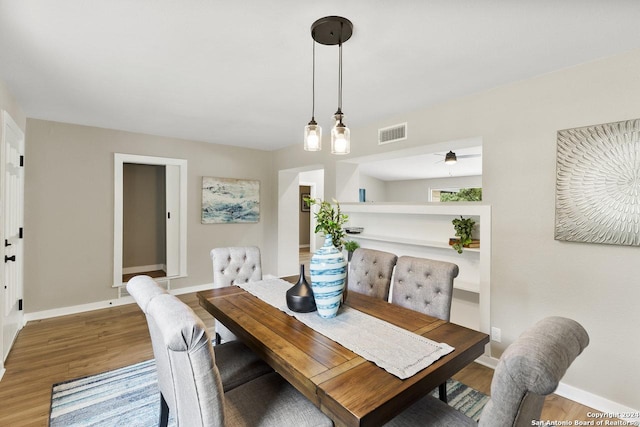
63,348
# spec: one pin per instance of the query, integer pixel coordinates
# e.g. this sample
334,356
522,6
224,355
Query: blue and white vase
328,270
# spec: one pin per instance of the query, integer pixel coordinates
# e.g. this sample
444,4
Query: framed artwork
304,206
229,200
598,184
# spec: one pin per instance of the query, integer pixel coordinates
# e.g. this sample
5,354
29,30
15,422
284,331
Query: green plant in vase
464,229
350,246
329,220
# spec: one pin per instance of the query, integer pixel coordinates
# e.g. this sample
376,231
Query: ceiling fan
451,158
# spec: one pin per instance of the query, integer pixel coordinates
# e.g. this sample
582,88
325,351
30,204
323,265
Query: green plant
351,245
464,228
329,220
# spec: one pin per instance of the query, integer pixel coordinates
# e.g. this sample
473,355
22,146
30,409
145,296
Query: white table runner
396,350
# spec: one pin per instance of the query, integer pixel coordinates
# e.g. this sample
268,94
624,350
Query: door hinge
22,161
20,304
20,233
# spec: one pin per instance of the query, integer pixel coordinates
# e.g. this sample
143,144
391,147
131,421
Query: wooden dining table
346,387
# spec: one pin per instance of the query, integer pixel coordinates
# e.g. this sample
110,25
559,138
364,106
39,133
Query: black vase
300,296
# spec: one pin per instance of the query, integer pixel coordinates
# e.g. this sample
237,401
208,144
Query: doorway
150,217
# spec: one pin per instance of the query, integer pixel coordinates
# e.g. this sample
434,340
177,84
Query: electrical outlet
496,334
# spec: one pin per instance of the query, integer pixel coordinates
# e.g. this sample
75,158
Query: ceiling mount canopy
329,31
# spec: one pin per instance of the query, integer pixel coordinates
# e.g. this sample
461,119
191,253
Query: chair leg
442,391
218,339
164,412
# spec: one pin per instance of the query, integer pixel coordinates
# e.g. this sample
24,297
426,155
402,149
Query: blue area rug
129,397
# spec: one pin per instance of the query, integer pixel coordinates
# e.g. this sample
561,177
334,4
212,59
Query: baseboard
608,407
75,309
599,403
2,371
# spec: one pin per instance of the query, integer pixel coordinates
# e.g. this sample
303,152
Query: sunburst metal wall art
598,184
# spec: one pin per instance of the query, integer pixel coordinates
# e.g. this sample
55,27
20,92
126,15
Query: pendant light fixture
313,131
330,31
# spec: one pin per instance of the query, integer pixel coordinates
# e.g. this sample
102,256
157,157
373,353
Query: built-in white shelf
424,230
408,241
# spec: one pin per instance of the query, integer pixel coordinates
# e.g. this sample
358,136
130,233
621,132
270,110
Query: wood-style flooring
63,348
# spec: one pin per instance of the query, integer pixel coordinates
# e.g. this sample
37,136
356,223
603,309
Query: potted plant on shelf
327,266
350,246
464,229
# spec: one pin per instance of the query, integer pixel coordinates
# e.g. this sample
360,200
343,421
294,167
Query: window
456,195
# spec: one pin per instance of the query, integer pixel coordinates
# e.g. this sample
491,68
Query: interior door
12,202
172,197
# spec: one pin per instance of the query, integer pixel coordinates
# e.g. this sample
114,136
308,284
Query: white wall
533,275
417,190
375,189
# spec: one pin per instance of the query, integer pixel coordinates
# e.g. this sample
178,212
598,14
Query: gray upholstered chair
192,385
528,370
234,265
370,272
425,285
236,362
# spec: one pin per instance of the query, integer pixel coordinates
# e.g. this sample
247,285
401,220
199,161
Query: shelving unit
423,230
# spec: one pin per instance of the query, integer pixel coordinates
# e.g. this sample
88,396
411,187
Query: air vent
392,134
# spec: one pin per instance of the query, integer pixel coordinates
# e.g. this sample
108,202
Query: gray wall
69,209
533,275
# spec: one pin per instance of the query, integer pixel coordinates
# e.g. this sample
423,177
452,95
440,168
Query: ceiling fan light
312,136
450,158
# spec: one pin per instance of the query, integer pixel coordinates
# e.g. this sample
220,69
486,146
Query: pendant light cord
340,71
313,83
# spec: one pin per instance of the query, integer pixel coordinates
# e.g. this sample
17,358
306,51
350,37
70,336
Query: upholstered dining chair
191,384
425,285
234,265
236,362
528,370
370,272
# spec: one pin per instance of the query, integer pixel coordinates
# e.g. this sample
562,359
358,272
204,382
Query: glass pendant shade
340,139
312,136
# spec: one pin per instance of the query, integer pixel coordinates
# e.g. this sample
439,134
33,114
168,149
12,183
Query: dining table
347,387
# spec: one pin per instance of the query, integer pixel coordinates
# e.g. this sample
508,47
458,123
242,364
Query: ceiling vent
392,134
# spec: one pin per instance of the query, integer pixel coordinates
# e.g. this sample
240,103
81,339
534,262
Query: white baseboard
75,309
2,371
599,403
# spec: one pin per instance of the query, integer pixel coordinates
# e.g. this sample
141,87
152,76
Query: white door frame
119,161
312,218
11,233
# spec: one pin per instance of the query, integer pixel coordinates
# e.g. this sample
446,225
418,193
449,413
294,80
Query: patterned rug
129,397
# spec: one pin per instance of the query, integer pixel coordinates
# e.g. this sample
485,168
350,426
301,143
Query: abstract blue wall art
229,200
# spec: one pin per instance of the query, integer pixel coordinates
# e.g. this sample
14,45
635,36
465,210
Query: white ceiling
239,73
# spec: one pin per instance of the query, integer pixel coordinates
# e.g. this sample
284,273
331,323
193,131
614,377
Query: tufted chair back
530,369
230,266
424,285
370,272
235,265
